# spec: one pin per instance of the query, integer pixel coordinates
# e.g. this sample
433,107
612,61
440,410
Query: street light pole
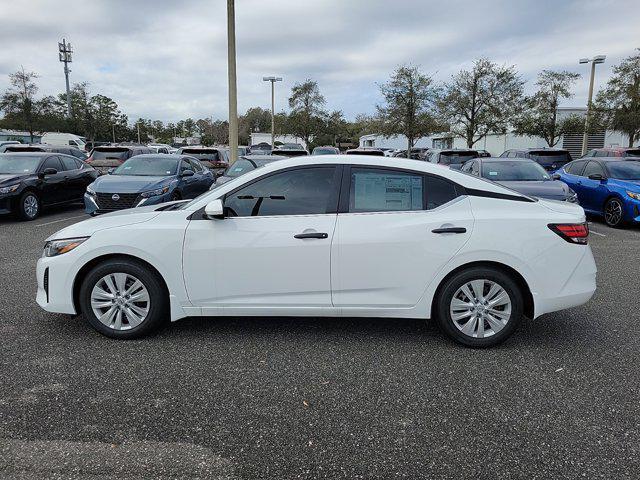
273,81
233,93
595,60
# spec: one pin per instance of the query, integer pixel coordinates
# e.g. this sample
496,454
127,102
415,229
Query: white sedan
345,236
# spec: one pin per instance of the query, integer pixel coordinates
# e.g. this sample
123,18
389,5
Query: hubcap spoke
120,301
478,315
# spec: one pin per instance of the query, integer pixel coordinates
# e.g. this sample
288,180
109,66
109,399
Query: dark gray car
243,165
522,175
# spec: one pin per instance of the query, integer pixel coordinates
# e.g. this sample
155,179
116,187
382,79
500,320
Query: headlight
10,188
155,193
91,191
634,195
572,196
53,248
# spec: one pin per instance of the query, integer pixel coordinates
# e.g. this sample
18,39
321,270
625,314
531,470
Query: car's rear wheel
614,213
479,307
122,298
29,206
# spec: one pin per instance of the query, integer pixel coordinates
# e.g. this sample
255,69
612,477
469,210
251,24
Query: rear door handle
450,230
311,235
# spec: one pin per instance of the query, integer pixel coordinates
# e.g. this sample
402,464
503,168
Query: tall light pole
233,92
64,54
273,81
594,61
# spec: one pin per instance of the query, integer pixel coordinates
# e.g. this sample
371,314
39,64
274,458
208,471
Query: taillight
572,232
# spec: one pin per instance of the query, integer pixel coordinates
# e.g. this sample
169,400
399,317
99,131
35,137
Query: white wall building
266,138
498,143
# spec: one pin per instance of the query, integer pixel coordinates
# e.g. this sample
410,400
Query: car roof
31,154
505,159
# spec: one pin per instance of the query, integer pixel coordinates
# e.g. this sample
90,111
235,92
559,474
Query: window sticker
386,191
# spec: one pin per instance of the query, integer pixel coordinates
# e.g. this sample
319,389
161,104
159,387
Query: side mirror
214,209
555,176
597,176
48,171
187,173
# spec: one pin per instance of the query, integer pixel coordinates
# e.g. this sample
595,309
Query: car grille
106,202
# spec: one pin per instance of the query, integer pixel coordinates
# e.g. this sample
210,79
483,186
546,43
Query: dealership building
498,143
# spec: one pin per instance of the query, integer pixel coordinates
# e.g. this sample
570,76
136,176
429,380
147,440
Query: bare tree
410,98
541,115
618,104
483,100
19,100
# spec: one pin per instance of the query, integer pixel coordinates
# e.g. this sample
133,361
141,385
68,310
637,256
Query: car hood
128,183
11,178
552,189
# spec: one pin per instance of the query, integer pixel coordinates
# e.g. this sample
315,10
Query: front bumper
55,294
7,202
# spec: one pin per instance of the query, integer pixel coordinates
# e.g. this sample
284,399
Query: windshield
324,151
240,167
18,164
624,170
148,166
547,158
455,158
108,153
505,171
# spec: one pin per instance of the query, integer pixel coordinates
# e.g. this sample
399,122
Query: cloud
166,59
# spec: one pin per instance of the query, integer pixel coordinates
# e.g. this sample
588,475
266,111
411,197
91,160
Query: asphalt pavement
282,398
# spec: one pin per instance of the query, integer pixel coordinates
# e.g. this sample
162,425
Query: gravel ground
319,398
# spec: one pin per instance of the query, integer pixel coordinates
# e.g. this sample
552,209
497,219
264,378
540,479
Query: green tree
410,97
19,102
486,99
256,119
307,110
540,117
617,105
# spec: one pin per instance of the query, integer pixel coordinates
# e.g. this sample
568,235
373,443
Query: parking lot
322,398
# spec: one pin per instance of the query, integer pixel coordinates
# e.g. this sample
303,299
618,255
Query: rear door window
439,191
383,190
69,163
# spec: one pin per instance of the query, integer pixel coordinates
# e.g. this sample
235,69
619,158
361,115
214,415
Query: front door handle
450,230
311,235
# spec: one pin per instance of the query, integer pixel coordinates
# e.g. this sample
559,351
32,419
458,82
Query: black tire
21,207
451,286
611,215
158,297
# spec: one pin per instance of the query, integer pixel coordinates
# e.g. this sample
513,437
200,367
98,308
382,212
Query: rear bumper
577,289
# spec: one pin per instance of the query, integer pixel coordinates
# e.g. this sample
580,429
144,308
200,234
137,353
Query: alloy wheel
30,206
120,301
613,212
480,308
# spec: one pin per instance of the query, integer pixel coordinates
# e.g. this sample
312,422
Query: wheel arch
527,296
87,267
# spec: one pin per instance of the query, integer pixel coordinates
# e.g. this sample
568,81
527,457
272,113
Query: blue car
147,180
607,187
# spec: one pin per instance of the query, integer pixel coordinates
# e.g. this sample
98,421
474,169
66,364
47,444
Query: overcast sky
166,59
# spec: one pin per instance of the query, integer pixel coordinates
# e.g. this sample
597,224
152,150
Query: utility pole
64,55
273,81
138,125
595,60
113,132
233,92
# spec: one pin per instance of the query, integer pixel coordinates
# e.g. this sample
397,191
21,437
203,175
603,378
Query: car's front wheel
29,206
614,213
124,299
479,307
